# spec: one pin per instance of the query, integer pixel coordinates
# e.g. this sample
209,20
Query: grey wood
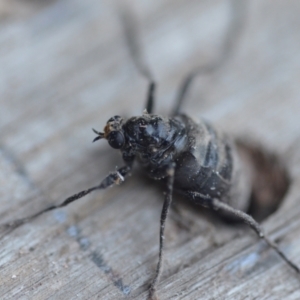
64,69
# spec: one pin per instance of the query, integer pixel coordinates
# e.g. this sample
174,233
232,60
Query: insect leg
237,21
164,214
218,205
150,97
113,178
133,42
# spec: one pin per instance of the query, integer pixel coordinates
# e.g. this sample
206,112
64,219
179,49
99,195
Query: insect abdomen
211,167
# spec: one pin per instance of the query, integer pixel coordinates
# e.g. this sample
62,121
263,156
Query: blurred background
65,68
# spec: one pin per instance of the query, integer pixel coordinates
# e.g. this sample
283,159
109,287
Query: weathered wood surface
64,68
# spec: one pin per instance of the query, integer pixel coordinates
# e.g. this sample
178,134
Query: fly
193,158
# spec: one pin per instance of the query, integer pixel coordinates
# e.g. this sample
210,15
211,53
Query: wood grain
65,69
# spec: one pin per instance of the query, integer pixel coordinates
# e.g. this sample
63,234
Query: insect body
206,162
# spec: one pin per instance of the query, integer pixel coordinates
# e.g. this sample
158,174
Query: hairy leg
237,21
113,178
218,205
130,28
164,214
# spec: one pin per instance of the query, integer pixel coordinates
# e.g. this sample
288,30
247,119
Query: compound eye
116,139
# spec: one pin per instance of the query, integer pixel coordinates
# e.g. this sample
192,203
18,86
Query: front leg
164,214
115,177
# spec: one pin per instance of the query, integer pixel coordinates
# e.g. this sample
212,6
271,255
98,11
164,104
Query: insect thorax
156,141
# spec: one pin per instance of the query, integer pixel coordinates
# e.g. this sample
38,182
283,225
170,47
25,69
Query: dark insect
192,157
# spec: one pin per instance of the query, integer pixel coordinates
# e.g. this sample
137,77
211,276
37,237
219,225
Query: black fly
193,158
